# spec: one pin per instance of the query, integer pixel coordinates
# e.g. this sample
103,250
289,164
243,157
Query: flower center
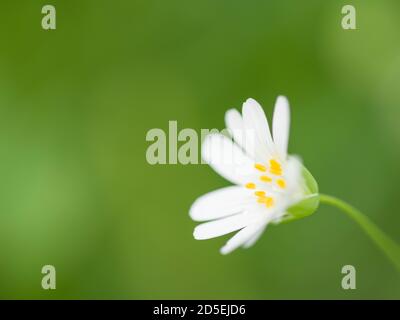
271,174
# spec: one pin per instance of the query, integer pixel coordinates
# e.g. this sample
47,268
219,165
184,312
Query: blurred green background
76,104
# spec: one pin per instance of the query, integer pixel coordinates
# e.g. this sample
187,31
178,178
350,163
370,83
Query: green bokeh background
76,103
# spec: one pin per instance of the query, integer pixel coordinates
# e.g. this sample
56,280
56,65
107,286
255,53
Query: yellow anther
276,168
281,183
268,201
265,179
260,193
250,185
260,167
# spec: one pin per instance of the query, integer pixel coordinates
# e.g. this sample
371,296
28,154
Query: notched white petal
253,239
240,238
223,226
255,120
219,203
226,158
234,123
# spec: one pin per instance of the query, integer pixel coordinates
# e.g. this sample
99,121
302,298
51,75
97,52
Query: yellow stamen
260,193
265,179
250,185
281,183
260,167
276,168
268,201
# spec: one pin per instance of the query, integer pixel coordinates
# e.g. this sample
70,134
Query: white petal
227,159
293,174
223,226
281,125
240,238
244,137
219,203
255,122
234,123
254,238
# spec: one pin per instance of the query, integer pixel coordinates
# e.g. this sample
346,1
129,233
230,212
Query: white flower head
269,185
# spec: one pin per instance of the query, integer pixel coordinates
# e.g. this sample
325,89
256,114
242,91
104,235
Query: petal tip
192,212
224,250
251,102
196,234
282,100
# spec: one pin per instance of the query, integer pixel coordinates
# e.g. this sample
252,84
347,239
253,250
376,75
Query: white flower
270,186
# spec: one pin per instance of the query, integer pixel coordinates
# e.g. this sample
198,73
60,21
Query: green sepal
309,204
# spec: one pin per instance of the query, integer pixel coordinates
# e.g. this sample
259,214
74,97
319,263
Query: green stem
388,246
